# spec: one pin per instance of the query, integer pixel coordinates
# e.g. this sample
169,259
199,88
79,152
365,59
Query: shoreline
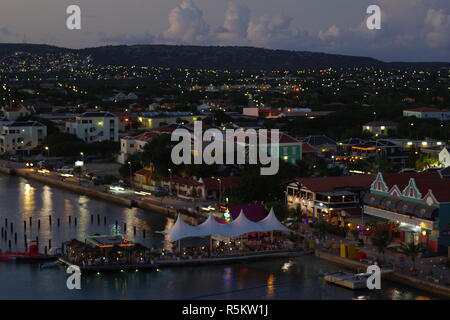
97,194
393,276
161,263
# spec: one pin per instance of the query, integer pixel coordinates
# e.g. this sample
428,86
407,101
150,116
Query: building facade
418,202
21,136
327,197
427,113
95,127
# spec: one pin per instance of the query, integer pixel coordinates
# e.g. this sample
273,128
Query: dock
347,280
112,267
162,263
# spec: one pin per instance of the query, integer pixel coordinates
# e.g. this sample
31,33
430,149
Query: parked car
66,170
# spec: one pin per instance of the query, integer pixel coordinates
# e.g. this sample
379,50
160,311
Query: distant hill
218,57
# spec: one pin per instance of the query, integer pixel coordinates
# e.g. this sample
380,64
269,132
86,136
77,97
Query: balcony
393,216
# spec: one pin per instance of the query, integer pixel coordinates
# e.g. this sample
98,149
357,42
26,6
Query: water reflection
270,286
299,278
27,197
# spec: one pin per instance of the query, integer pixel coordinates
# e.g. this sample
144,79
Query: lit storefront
422,213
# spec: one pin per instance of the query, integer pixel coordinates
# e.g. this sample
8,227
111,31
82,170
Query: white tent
211,227
243,225
181,230
271,223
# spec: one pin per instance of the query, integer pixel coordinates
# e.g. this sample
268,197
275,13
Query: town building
321,143
95,127
271,113
427,113
185,187
418,202
21,136
380,128
330,198
383,148
14,113
151,120
130,145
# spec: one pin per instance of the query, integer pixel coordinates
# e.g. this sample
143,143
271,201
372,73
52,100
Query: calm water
299,278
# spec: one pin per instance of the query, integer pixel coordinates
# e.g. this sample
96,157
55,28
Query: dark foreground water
300,278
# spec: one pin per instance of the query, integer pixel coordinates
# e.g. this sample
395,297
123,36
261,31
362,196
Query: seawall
88,191
394,276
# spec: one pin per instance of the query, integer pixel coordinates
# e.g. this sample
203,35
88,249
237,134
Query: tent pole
210,245
179,247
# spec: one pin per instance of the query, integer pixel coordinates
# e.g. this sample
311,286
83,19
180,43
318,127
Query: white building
95,127
21,135
14,113
130,145
444,157
427,113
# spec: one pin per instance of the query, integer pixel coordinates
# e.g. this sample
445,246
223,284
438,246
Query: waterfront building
130,145
186,188
427,113
418,202
21,136
95,127
330,198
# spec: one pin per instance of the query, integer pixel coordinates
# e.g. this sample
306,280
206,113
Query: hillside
217,57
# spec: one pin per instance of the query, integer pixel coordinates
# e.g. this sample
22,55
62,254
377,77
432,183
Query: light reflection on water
300,278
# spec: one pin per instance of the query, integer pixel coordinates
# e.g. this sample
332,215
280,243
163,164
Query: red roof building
418,202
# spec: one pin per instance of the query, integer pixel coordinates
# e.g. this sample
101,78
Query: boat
33,255
347,280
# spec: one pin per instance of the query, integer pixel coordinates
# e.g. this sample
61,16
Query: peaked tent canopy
271,223
181,230
211,227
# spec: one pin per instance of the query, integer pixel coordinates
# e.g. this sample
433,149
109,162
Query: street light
220,191
131,174
48,151
170,181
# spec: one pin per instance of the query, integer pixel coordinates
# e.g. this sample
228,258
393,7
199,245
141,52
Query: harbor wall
75,188
394,276
89,191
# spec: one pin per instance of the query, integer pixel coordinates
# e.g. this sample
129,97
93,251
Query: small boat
347,280
50,264
33,255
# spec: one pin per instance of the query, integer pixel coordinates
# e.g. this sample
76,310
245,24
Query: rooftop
330,184
426,109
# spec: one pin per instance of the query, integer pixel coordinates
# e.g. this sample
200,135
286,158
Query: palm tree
322,229
381,241
412,251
